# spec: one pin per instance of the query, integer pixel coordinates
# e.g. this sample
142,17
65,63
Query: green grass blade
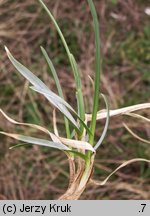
57,101
18,146
25,72
74,67
56,26
53,96
59,106
53,71
37,141
78,90
106,124
36,82
97,73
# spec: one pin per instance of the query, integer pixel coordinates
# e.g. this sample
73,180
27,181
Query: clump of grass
79,144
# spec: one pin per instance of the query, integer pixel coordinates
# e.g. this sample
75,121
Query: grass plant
79,145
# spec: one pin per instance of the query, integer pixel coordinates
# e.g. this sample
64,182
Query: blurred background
42,173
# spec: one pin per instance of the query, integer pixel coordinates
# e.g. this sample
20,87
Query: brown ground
37,173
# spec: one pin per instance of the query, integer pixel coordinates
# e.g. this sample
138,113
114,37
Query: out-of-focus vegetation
38,173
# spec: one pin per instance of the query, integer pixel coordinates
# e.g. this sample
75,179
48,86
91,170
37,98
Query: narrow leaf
102,114
97,70
77,144
61,105
53,96
18,146
53,71
38,84
56,26
38,127
25,72
37,141
58,105
74,66
61,140
123,165
79,95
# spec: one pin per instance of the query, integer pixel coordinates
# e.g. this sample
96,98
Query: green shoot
74,66
97,73
54,73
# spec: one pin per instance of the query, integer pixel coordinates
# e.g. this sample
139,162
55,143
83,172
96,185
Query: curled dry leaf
77,144
103,113
38,127
69,142
118,168
135,135
140,117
